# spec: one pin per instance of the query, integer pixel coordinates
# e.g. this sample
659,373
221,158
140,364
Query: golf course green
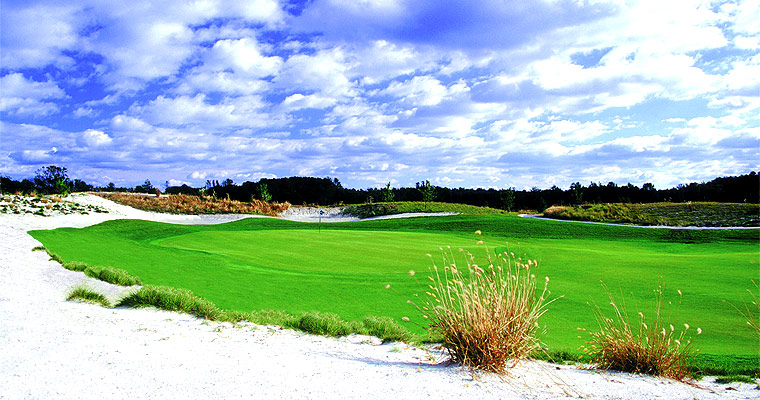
343,268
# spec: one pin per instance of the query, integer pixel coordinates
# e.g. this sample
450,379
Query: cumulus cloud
36,36
95,138
22,96
323,73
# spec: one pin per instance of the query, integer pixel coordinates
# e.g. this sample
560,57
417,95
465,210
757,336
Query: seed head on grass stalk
487,315
649,346
751,311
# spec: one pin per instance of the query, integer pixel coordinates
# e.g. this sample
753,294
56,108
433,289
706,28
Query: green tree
53,180
146,187
508,199
387,194
427,191
577,191
264,193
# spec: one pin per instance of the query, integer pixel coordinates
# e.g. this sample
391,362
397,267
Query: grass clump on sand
115,276
325,324
651,346
487,316
187,204
88,295
172,299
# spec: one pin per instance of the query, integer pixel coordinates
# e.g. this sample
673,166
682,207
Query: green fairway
256,264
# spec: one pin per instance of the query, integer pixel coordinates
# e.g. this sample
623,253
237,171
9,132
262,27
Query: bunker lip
54,348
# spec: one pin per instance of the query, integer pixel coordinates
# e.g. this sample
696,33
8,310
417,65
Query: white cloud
323,73
747,43
243,56
381,60
35,36
95,138
185,111
232,66
743,16
298,101
418,91
21,96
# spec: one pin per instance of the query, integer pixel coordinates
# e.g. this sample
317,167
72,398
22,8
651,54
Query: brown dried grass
488,316
188,204
649,346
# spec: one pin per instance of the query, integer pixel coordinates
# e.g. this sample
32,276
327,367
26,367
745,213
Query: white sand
54,349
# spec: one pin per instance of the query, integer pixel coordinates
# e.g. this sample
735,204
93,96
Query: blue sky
462,93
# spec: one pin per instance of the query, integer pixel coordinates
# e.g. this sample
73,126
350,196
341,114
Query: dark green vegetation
258,264
88,295
378,209
329,191
669,214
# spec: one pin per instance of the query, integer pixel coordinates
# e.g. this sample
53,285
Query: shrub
651,346
88,295
487,316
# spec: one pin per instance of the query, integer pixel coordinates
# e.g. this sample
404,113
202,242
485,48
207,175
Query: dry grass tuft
488,315
649,346
751,311
187,204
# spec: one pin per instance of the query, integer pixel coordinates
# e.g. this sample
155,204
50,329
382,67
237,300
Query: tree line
329,191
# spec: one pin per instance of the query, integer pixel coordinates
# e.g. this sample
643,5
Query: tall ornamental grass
487,315
646,344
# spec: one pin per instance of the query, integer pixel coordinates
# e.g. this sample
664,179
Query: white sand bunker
54,349
335,214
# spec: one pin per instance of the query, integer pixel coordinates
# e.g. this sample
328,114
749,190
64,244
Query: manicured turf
259,264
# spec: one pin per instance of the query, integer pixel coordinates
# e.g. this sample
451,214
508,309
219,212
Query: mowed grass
257,264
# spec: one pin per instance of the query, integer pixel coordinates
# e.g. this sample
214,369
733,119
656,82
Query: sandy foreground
55,349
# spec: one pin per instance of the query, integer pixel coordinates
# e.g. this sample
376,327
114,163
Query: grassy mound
666,214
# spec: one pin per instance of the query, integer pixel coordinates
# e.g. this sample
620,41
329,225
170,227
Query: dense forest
329,191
